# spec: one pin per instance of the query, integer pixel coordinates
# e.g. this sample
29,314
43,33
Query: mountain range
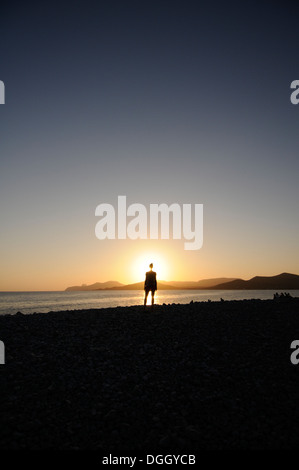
280,282
96,286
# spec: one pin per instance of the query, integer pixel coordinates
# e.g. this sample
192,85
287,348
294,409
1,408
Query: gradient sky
185,102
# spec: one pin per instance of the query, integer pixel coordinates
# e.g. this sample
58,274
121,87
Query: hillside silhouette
162,285
202,284
96,286
280,282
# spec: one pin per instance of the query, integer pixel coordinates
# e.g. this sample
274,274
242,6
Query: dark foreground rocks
213,375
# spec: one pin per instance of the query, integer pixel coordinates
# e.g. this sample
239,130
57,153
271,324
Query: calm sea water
30,302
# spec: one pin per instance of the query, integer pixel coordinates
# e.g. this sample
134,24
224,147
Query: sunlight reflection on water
29,302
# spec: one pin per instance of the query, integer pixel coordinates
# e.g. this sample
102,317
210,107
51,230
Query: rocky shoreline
207,375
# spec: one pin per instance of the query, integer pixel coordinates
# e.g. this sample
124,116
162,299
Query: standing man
150,284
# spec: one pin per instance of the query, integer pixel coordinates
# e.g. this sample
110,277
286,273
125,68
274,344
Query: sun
141,265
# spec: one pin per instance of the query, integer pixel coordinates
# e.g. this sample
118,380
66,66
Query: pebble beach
201,376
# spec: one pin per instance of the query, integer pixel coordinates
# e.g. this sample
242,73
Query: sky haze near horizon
164,102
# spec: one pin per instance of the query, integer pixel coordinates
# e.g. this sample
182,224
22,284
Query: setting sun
141,265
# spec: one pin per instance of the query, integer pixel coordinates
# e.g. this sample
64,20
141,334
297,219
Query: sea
42,302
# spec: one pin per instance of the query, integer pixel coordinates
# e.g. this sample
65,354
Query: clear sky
179,101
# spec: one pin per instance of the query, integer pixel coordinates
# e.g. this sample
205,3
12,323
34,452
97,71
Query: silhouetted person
150,284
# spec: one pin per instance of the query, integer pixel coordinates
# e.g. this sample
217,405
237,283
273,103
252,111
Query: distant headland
280,282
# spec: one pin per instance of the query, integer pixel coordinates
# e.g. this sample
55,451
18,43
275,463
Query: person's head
151,265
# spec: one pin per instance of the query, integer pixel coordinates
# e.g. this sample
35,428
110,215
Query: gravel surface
208,375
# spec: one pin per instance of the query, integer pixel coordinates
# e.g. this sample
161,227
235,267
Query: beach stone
201,376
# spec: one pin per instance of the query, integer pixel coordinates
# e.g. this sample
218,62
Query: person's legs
145,296
153,297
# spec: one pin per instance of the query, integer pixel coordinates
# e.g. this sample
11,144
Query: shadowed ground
209,375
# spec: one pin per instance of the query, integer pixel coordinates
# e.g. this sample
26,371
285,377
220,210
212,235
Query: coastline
205,375
43,302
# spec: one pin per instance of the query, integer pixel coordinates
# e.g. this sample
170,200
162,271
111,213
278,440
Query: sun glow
141,265
149,299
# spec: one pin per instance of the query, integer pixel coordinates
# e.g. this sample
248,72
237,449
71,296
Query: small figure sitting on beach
150,284
282,296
